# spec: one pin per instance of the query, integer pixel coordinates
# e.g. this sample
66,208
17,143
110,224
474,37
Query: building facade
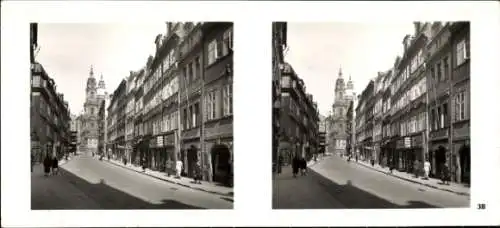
191,82
449,99
299,118
322,134
160,102
217,109
49,113
425,104
116,122
279,42
179,106
343,95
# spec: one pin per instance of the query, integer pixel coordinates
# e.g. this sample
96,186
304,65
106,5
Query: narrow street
339,184
87,183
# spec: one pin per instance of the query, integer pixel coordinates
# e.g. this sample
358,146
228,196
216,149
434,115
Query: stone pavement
54,192
456,188
205,186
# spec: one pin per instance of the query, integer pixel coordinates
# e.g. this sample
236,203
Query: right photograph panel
369,115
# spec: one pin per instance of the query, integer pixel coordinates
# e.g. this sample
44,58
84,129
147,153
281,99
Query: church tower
338,121
94,94
339,87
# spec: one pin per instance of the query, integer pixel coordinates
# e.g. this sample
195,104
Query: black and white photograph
369,115
131,116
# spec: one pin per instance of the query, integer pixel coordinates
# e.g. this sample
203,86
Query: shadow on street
355,198
106,196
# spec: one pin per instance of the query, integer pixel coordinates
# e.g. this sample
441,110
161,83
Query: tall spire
91,70
101,82
340,71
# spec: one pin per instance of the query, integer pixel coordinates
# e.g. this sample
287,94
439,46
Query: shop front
219,155
191,156
285,152
167,153
150,153
438,153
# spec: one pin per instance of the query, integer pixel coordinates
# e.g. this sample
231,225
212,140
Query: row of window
410,95
220,48
212,101
158,125
441,70
191,116
192,71
167,91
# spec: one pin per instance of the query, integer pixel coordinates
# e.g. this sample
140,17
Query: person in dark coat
295,166
280,163
303,166
197,174
47,165
144,164
445,176
55,165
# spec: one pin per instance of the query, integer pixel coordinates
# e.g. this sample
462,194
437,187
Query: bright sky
68,50
318,50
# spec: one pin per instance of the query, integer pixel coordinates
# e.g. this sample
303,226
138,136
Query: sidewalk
318,159
430,182
205,186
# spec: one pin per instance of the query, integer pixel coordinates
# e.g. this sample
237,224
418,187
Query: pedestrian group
50,165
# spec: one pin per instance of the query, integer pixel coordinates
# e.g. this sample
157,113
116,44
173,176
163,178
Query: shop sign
407,142
159,141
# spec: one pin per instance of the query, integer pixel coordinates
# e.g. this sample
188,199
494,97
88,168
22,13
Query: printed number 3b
481,206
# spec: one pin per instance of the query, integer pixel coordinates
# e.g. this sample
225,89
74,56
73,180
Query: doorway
221,168
440,160
464,153
192,159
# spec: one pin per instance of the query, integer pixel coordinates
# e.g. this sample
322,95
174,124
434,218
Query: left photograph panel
131,116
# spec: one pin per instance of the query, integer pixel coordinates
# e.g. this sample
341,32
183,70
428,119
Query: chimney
418,27
406,42
158,41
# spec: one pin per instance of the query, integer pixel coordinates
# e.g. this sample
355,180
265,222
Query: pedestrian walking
303,166
197,174
55,165
47,164
32,161
427,168
295,165
391,165
416,165
445,174
280,163
178,169
144,161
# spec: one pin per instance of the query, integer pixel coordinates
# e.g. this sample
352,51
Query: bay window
460,106
227,41
212,52
462,52
227,100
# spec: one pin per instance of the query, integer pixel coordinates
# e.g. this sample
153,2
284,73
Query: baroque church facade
337,128
94,95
